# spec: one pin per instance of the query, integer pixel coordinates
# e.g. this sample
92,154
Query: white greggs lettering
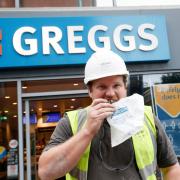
72,39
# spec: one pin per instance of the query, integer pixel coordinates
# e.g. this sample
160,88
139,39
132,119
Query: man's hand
98,111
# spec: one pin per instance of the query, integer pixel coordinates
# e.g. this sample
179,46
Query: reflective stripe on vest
77,120
146,160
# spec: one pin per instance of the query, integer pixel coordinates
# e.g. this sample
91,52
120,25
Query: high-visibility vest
144,143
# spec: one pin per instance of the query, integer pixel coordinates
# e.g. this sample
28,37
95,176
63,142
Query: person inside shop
81,147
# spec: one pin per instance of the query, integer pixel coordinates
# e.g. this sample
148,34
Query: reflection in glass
142,84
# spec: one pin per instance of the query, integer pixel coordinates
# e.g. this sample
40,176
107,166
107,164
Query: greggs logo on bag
120,111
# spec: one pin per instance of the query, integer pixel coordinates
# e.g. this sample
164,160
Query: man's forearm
172,172
59,160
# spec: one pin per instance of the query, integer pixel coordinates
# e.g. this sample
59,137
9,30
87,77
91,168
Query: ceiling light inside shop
15,116
72,107
40,109
6,111
55,105
24,87
7,97
14,103
45,111
73,99
75,84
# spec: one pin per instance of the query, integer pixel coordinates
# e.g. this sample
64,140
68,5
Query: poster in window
167,105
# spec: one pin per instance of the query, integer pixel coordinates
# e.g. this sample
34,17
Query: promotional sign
12,161
167,104
45,41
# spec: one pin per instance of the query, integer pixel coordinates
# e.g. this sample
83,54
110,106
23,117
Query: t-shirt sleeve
61,133
165,153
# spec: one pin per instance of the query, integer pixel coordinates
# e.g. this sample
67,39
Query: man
80,146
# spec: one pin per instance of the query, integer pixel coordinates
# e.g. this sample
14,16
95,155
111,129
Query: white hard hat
104,63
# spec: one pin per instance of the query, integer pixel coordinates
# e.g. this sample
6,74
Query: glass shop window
8,130
142,84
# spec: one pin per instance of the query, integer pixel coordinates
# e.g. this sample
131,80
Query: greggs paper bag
128,118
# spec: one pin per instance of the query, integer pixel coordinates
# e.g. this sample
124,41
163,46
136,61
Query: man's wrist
88,133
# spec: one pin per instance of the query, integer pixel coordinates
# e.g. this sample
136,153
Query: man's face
110,88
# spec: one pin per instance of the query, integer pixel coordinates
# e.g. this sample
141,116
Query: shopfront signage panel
167,104
26,42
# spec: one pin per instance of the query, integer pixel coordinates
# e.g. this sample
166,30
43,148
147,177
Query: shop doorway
40,116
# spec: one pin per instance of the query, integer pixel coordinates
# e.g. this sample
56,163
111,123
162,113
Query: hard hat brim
87,80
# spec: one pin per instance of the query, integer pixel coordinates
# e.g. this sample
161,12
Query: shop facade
42,58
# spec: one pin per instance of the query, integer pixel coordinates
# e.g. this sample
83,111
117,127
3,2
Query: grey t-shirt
117,163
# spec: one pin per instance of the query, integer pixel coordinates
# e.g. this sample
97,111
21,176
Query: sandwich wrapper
127,120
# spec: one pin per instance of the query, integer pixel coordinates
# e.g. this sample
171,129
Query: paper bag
128,118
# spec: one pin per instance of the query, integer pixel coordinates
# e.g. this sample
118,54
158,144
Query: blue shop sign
52,41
